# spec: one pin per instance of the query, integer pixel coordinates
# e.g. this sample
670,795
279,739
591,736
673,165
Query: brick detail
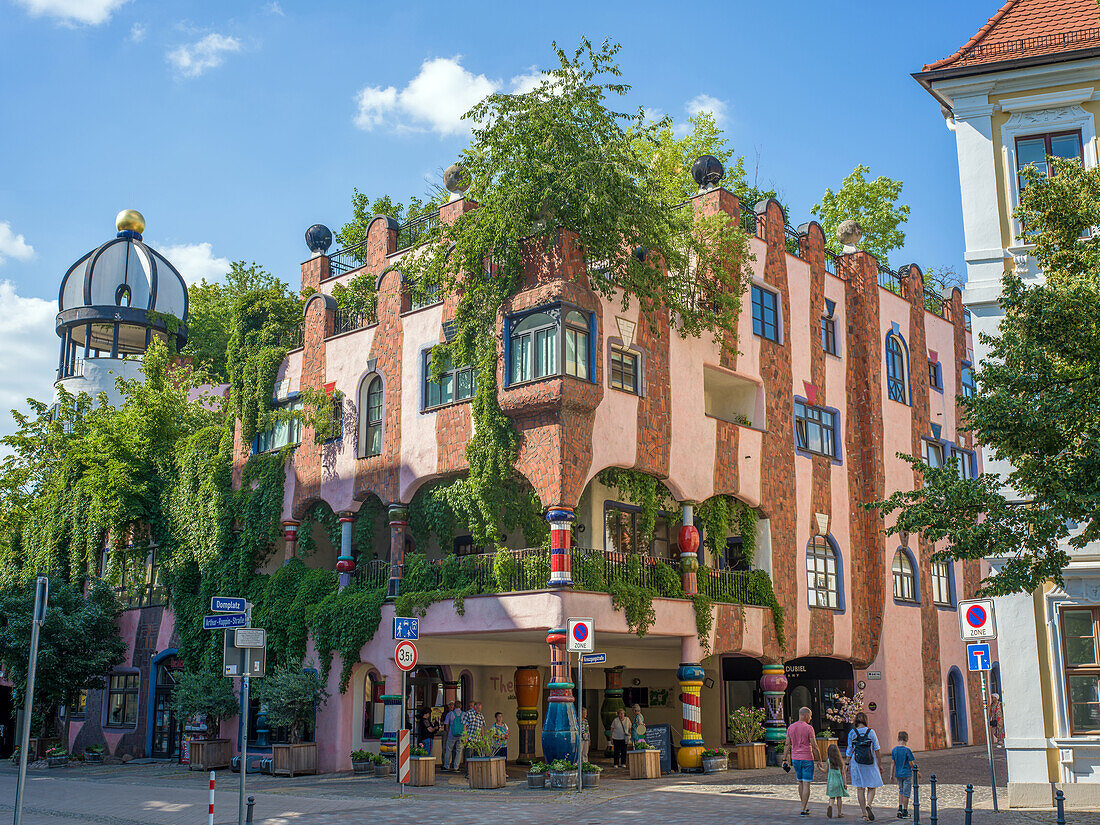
320,321
314,271
729,628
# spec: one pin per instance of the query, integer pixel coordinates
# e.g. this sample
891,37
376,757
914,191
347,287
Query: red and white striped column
210,812
561,522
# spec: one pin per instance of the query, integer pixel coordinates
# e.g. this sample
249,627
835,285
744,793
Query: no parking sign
580,638
976,621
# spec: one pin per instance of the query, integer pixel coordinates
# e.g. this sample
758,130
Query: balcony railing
830,262
373,573
348,320
419,230
933,302
294,338
149,595
345,260
888,279
748,219
791,237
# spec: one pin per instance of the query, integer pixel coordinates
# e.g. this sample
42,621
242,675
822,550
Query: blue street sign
593,658
406,628
977,656
228,604
224,620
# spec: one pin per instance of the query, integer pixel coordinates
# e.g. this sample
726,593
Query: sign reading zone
976,622
580,637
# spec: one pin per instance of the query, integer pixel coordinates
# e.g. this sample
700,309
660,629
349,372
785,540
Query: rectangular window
941,583
828,335
80,706
815,429
1082,669
934,373
933,453
284,431
453,385
967,375
765,313
621,528
336,426
624,370
1034,149
122,700
965,462
576,344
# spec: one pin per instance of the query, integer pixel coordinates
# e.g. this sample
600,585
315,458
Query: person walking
800,752
902,763
452,737
835,788
637,726
473,723
426,730
620,732
862,753
586,735
997,720
499,732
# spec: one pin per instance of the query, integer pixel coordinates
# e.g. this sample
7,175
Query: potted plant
93,754
563,774
484,769
361,762
57,757
824,740
207,694
644,761
293,695
745,726
536,775
422,768
382,765
590,775
715,760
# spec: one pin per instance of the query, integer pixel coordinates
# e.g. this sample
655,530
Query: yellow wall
1046,675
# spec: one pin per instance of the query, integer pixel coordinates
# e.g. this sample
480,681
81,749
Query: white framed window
905,577
942,594
933,453
822,574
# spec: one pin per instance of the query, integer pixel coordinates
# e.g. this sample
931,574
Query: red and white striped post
210,813
404,751
561,520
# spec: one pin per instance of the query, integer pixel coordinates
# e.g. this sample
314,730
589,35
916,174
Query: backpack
862,748
456,724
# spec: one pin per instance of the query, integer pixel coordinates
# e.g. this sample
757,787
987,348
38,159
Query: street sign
405,655
233,659
228,604
224,621
406,628
976,621
977,656
252,637
580,638
874,674
593,658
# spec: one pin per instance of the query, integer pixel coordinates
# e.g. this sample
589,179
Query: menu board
660,737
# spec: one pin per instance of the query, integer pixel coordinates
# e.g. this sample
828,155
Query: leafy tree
363,211
1036,405
873,204
77,644
294,695
205,692
941,279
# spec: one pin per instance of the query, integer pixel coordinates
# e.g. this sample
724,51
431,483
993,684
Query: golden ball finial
130,219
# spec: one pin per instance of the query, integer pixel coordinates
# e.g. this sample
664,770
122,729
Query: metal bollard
916,796
969,809
248,815
1060,801
932,818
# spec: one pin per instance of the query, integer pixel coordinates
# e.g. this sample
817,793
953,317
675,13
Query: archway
956,707
163,738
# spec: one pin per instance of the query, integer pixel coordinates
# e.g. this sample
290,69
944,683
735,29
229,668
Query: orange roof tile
1025,28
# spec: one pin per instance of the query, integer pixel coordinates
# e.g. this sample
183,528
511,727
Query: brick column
690,755
399,523
345,564
561,520
290,534
560,730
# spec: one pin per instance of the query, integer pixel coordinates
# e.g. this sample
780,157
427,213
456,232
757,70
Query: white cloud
30,348
274,8
12,245
195,261
137,32
192,59
707,103
434,100
71,12
528,81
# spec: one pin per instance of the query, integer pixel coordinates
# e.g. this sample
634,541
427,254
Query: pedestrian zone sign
976,621
977,657
406,628
580,638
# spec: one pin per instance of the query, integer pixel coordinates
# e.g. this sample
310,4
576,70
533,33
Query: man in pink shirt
801,752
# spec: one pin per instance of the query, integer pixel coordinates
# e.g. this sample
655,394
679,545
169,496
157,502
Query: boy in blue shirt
901,769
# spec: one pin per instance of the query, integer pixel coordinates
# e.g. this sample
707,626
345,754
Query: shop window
942,589
621,532
623,374
537,350
370,405
967,378
122,700
635,696
828,335
933,453
905,577
815,429
1034,150
935,375
1082,669
822,574
455,383
765,313
286,430
895,370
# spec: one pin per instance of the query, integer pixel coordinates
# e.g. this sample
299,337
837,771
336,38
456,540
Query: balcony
148,595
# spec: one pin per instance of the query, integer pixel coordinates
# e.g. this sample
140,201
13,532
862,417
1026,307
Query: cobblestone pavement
164,794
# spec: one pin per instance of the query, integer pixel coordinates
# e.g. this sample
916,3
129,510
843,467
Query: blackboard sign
660,737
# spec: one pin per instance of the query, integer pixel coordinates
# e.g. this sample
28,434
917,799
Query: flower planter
423,771
57,761
210,754
294,760
715,764
362,767
93,758
751,755
823,746
590,779
486,771
382,771
645,764
536,780
563,780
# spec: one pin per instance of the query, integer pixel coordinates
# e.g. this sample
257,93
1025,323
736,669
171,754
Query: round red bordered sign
975,615
405,655
580,631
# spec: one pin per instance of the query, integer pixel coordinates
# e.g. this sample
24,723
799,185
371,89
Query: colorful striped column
290,534
399,522
345,563
561,520
688,540
559,731
690,755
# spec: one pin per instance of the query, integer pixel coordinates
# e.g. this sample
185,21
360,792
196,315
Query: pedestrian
452,724
997,720
586,735
863,769
620,732
473,724
500,735
835,788
426,730
800,752
901,771
637,726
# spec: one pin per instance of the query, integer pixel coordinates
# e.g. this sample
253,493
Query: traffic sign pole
580,710
244,718
988,741
41,597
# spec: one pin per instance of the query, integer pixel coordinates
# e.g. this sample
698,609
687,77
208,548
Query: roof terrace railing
888,279
966,319
348,320
345,260
418,230
933,302
830,262
793,246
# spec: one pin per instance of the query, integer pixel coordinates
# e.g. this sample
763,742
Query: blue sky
234,126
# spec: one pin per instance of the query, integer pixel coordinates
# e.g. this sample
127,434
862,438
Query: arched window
822,574
905,578
956,707
895,370
941,584
370,416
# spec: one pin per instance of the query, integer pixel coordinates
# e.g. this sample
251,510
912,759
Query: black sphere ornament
318,238
707,171
640,253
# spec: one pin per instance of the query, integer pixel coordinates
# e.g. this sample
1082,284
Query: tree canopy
871,203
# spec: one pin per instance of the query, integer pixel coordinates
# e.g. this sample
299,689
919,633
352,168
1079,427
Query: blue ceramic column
560,730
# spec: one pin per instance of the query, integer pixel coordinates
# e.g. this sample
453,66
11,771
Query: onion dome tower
113,302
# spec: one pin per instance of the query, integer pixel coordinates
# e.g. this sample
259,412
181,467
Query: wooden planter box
752,755
294,760
563,780
644,764
590,779
210,754
362,767
57,761
381,771
823,747
422,771
487,771
536,780
93,758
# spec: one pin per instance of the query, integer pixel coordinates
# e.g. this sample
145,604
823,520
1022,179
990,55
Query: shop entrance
741,685
166,727
817,682
7,722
